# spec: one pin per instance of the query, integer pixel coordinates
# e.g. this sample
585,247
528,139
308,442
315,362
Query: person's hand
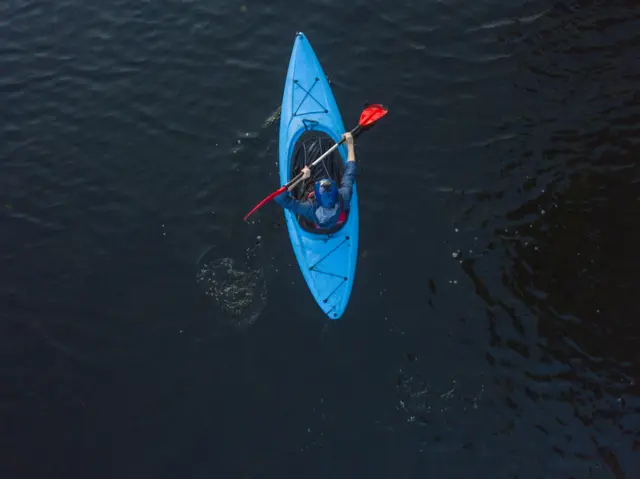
306,173
348,138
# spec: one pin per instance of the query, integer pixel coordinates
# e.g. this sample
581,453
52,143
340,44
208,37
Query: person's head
326,193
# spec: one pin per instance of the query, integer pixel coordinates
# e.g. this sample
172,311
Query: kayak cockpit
309,146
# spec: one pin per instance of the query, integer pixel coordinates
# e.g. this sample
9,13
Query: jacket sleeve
348,178
302,208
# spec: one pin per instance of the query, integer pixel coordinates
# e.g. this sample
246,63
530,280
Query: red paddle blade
371,114
267,199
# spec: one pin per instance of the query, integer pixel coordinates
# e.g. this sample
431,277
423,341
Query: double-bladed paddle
369,116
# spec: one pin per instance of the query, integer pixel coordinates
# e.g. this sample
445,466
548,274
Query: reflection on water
565,250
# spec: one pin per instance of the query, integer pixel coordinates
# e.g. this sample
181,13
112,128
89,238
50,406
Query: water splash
272,118
238,288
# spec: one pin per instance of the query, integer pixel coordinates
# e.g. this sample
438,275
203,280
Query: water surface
492,330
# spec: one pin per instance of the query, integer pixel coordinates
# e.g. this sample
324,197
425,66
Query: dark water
493,329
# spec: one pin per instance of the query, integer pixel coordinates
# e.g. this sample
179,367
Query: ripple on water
515,120
559,273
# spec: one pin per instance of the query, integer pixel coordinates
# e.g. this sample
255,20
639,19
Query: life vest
341,218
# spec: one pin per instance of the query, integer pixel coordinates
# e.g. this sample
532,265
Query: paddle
369,116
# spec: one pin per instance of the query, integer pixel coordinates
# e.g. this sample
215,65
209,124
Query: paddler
328,204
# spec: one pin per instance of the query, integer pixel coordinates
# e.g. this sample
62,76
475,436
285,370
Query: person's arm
348,139
303,208
349,175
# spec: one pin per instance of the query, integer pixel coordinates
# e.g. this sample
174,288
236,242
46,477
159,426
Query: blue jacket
308,208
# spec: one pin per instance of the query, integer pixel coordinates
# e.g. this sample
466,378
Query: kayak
310,123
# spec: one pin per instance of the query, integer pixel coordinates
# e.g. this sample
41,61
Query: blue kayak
310,123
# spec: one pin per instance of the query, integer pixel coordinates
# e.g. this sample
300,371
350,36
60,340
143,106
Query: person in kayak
327,202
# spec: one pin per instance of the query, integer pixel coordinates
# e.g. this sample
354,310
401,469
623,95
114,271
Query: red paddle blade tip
372,113
265,201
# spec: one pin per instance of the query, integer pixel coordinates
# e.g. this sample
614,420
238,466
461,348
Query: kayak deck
327,260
